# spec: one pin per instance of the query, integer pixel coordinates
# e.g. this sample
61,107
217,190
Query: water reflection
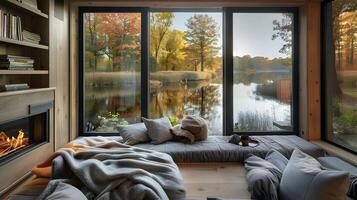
189,98
202,98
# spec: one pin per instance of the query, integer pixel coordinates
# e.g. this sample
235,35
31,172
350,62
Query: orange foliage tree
120,37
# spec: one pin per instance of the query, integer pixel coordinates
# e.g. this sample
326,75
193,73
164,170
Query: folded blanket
192,128
111,170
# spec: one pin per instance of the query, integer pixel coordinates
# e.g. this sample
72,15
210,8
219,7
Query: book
10,26
14,87
7,56
16,67
20,68
31,37
10,62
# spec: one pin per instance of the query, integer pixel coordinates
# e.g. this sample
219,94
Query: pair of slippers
236,139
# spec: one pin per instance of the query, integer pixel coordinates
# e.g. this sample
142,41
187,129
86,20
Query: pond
189,98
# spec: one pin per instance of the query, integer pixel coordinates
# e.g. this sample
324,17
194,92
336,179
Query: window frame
327,61
144,90
228,75
227,60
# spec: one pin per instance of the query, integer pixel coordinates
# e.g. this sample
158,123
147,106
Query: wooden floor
219,180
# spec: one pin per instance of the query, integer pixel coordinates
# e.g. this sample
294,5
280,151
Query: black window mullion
145,40
228,71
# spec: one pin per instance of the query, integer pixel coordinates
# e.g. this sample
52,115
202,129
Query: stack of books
13,87
31,37
9,62
10,26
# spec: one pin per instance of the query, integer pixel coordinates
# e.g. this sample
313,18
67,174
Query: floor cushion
338,164
305,179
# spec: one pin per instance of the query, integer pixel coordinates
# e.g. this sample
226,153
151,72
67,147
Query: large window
233,67
264,64
186,66
111,69
340,74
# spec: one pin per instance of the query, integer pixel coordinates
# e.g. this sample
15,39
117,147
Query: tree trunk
202,59
202,111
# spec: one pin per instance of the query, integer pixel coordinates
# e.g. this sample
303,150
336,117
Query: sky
252,32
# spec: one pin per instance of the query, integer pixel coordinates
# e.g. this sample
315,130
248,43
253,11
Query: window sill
338,152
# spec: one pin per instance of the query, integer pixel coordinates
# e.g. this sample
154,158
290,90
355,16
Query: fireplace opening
21,135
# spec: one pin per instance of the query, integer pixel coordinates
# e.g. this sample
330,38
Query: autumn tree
121,38
92,45
172,54
343,29
201,37
159,26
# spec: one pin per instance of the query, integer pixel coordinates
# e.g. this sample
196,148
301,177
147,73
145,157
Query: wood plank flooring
219,180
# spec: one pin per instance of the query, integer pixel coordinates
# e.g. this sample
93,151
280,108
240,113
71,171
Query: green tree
159,26
201,37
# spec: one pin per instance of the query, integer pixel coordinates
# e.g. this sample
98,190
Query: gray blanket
107,169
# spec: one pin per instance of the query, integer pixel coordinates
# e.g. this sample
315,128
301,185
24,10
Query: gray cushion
277,159
304,179
338,164
133,133
217,148
158,129
263,178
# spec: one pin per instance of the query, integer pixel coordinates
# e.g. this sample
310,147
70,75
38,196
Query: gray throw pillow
277,159
263,178
335,163
158,129
304,179
133,133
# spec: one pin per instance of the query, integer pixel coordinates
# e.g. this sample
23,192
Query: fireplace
28,138
21,135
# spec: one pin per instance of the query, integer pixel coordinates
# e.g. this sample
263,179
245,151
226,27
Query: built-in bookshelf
24,32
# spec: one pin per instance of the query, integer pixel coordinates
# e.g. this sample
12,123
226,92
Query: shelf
22,72
28,8
19,92
23,43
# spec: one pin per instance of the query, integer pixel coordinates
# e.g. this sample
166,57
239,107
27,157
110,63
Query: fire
8,145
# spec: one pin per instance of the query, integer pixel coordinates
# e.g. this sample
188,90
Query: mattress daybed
218,149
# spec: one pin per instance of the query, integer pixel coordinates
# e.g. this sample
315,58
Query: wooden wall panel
310,66
59,70
73,18
303,73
